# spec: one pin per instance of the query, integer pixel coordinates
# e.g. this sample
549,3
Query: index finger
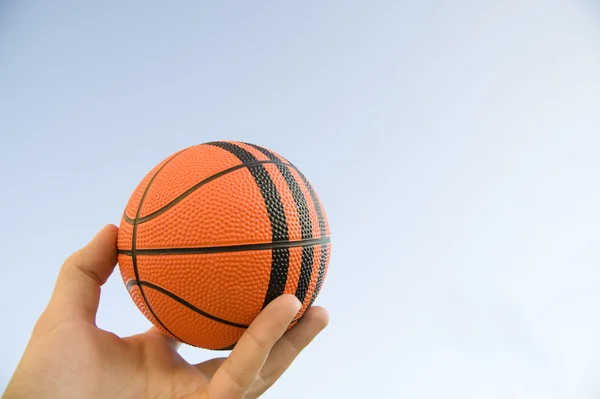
77,288
238,372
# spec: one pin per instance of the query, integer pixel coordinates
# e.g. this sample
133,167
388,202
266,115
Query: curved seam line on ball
195,187
229,248
227,348
133,245
185,303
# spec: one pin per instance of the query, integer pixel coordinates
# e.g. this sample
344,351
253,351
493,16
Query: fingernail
298,303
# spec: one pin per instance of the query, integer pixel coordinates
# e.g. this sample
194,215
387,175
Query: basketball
214,233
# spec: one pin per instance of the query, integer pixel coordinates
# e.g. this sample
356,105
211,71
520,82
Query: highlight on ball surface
214,233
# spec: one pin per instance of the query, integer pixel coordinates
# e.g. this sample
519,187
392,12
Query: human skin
68,356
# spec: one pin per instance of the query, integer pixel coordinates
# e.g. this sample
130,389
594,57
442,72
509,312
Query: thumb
77,290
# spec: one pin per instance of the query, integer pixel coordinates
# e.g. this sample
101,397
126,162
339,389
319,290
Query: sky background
455,146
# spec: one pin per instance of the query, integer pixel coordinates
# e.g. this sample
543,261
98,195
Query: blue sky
455,147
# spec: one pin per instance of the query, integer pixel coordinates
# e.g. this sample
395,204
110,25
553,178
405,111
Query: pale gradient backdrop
455,145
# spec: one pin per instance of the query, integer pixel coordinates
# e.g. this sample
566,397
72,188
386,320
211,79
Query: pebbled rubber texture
221,194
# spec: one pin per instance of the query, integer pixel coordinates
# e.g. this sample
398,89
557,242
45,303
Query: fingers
77,289
292,343
239,371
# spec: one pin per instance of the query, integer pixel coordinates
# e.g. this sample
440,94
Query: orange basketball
214,233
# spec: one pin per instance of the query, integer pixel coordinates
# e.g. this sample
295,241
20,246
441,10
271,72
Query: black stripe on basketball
306,270
297,194
134,246
305,223
320,217
315,200
321,274
279,228
268,153
323,230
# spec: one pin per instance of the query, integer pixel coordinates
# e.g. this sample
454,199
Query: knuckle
293,346
76,261
41,325
45,324
258,389
73,260
235,375
259,339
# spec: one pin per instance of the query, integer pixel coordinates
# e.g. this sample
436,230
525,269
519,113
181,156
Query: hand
69,357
